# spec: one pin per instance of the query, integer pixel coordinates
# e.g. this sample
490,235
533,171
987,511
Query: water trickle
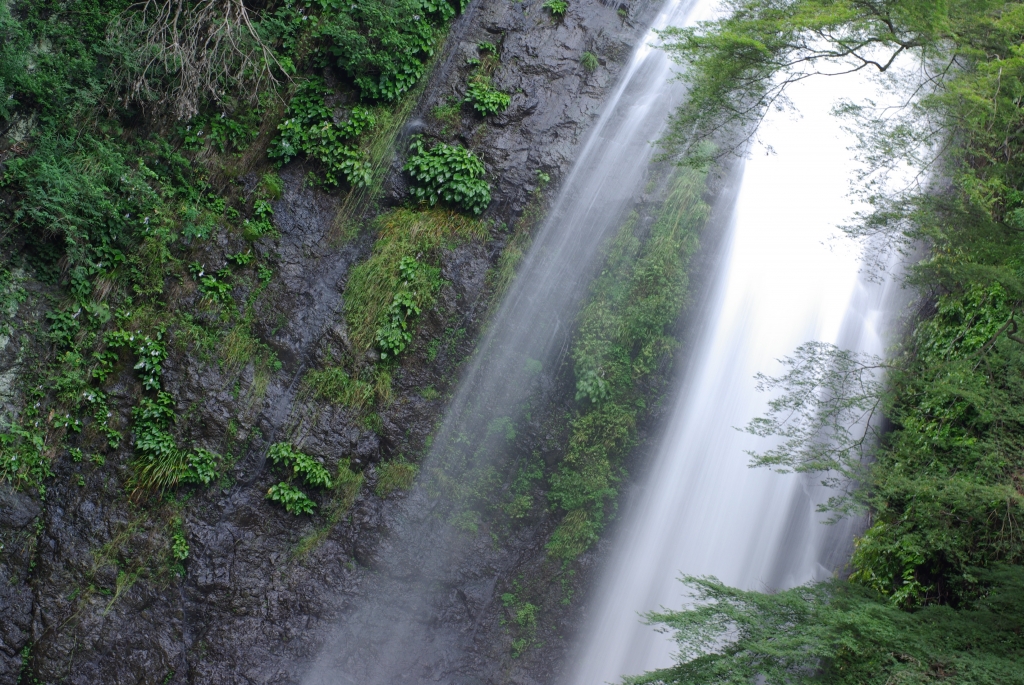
699,509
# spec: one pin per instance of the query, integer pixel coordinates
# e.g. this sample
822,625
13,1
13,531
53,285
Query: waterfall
411,620
699,509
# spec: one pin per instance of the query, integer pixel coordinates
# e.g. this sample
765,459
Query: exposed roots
175,53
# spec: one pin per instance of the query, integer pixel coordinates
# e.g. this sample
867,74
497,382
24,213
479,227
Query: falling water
784,279
399,628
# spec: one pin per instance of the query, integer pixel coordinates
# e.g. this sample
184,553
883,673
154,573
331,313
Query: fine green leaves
840,634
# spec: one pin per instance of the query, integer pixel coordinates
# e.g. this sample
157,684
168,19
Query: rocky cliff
86,589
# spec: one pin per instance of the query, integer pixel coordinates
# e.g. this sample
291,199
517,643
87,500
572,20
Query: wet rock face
87,579
554,98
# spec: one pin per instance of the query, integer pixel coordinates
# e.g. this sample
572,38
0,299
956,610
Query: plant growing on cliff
384,46
403,235
298,465
558,8
485,98
310,129
395,475
448,173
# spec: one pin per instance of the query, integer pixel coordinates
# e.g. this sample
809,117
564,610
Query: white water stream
700,509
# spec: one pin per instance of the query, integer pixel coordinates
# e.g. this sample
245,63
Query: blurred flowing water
699,509
410,622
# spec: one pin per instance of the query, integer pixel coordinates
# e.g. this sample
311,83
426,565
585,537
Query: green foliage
202,467
624,334
335,385
589,61
179,544
485,98
302,465
840,633
558,8
347,485
293,500
447,114
827,416
383,46
395,475
310,129
223,133
521,619
412,238
416,279
448,173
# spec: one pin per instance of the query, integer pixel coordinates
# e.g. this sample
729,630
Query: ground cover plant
934,585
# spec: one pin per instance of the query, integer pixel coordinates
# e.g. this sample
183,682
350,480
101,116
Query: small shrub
450,173
310,129
557,8
589,61
301,464
395,475
486,99
179,544
295,501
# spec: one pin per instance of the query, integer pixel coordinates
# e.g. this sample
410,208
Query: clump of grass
402,233
395,475
589,61
448,114
333,384
429,393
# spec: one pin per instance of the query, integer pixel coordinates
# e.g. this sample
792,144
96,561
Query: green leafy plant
485,98
448,173
310,129
396,333
293,500
384,47
309,469
179,544
558,8
589,61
